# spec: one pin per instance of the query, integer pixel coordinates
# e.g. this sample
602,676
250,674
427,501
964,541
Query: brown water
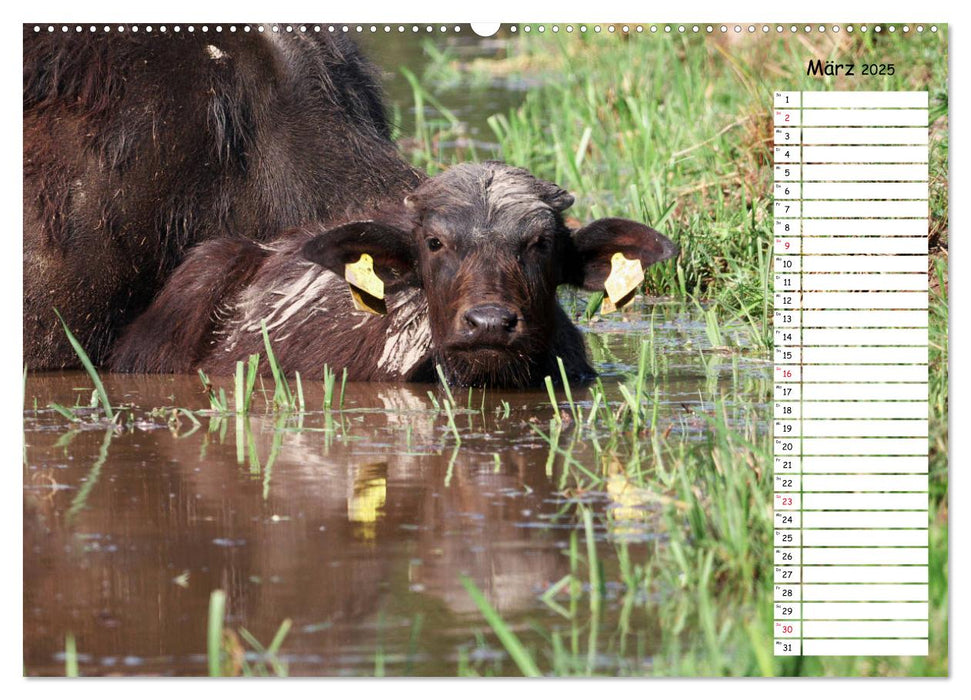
354,524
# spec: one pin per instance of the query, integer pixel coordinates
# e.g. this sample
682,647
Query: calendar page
575,349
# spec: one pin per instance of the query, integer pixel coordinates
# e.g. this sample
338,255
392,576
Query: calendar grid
851,350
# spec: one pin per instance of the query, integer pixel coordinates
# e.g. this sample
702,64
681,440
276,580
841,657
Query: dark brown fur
139,146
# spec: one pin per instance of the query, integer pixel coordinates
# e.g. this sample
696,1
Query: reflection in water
355,524
324,542
369,491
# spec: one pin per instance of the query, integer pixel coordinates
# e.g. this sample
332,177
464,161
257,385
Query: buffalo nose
491,317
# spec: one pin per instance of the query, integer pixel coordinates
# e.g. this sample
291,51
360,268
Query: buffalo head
488,245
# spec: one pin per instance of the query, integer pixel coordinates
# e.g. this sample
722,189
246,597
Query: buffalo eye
540,244
433,244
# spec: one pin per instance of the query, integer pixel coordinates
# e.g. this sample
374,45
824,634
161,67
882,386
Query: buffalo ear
391,248
585,262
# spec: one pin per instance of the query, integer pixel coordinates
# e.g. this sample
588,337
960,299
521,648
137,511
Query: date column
865,577
787,330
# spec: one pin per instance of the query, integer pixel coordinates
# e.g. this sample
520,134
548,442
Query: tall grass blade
214,636
556,406
517,652
448,390
239,391
71,657
281,389
566,389
252,371
89,367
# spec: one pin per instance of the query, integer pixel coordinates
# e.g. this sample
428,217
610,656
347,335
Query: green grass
225,654
89,368
71,657
282,395
553,401
245,377
245,383
214,636
519,655
217,395
707,578
675,130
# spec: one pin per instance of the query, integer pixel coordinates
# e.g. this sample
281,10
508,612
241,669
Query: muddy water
354,524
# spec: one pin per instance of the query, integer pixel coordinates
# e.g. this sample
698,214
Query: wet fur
139,146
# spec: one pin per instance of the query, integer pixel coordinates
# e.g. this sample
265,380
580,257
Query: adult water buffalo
139,145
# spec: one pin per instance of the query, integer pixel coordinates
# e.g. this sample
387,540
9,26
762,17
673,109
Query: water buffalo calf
470,261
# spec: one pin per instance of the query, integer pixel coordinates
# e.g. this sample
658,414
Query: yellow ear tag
367,289
361,275
625,276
